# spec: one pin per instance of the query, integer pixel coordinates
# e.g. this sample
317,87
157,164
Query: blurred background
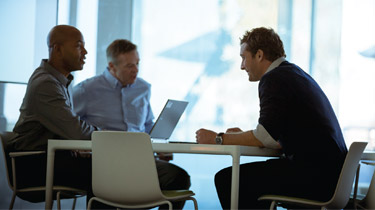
189,50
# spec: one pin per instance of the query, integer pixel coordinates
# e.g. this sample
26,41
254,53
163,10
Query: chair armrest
19,154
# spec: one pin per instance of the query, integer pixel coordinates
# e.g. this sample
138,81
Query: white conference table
233,150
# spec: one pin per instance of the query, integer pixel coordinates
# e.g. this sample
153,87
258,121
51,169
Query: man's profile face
125,68
249,63
73,52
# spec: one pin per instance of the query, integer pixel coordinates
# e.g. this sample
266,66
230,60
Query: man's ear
259,55
56,48
111,65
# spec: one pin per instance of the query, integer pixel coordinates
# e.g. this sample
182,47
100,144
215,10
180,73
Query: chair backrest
348,171
123,168
5,136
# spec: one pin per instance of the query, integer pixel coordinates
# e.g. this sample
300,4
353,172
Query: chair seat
176,194
55,188
37,194
343,189
31,194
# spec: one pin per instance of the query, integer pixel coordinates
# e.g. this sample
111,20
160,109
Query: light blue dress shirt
103,101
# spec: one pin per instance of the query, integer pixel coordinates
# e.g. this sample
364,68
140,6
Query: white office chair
124,172
35,194
343,189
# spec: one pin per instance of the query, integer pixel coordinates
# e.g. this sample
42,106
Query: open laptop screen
168,119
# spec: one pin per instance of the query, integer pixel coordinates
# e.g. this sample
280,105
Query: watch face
218,140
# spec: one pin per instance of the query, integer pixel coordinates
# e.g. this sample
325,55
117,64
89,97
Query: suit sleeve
57,115
273,105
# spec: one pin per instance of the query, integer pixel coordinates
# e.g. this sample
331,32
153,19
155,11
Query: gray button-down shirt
47,112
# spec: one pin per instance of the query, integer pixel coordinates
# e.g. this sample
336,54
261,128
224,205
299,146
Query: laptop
168,119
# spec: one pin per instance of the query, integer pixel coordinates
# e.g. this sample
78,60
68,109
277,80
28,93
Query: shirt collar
113,81
275,64
58,75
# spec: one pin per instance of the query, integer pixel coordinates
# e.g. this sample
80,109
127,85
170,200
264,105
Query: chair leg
195,204
170,205
273,205
74,203
58,200
89,204
360,206
12,201
194,201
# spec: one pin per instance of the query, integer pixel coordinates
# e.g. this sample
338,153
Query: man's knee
172,177
223,177
184,179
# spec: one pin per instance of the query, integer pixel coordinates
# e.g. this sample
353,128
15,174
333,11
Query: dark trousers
68,171
172,177
278,177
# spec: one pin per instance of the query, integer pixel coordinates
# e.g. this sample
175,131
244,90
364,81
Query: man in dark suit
47,113
295,116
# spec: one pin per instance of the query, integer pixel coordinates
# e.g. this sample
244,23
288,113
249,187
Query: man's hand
205,136
164,156
233,130
82,153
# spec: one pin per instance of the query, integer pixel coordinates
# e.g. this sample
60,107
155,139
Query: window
193,47
189,50
24,27
357,70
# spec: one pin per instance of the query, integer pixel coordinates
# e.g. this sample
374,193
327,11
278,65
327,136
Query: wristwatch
219,138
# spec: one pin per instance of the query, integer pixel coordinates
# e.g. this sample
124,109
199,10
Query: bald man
47,113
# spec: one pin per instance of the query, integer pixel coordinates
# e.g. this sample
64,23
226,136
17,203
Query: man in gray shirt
47,113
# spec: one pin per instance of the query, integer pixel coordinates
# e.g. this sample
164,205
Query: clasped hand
205,136
82,153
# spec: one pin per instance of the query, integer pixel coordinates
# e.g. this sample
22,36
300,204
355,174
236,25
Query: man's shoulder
286,75
289,66
140,82
285,70
41,77
92,82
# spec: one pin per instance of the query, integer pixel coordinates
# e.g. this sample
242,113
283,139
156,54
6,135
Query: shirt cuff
263,136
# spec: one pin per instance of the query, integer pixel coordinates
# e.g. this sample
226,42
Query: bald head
66,48
60,34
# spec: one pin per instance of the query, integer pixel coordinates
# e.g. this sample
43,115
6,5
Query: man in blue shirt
295,116
119,100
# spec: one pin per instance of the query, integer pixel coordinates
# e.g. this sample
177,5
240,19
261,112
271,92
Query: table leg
49,178
235,182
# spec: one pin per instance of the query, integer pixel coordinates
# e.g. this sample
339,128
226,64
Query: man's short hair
117,47
265,39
